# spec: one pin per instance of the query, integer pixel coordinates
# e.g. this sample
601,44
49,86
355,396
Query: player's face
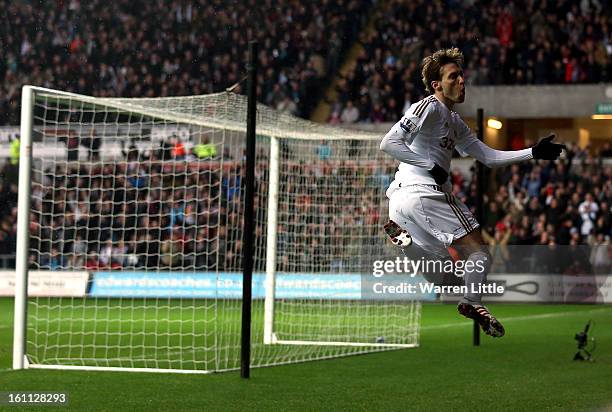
453,84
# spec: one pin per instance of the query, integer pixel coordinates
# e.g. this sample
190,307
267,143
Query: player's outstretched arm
490,157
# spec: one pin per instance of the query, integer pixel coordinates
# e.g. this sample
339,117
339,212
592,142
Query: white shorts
432,217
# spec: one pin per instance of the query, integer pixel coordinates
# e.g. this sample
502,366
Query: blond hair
432,65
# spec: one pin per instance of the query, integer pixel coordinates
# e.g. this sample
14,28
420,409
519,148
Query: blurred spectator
14,150
288,106
600,254
324,150
205,149
72,146
350,114
177,150
532,183
498,246
588,213
92,143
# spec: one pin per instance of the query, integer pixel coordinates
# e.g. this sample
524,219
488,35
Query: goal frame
270,337
20,358
23,216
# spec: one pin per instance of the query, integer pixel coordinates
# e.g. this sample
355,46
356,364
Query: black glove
439,174
545,149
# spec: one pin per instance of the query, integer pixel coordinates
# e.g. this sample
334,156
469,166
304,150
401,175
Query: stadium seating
503,43
149,48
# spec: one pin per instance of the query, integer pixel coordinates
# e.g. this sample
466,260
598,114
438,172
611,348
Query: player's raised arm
490,157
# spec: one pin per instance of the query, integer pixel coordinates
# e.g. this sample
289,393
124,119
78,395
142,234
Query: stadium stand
509,43
155,48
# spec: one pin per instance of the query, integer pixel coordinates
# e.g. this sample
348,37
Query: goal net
130,232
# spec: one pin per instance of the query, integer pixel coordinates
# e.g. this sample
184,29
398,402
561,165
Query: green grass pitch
529,369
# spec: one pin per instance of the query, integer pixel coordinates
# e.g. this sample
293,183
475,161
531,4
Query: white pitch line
519,318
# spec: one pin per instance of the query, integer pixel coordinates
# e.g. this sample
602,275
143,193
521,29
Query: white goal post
130,230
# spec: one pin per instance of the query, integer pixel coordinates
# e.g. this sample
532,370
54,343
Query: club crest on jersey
407,125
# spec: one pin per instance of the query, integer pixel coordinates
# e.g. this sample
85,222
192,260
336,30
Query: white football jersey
431,131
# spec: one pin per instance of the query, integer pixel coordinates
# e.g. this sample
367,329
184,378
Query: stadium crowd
136,48
515,42
549,217
128,215
144,215
156,48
